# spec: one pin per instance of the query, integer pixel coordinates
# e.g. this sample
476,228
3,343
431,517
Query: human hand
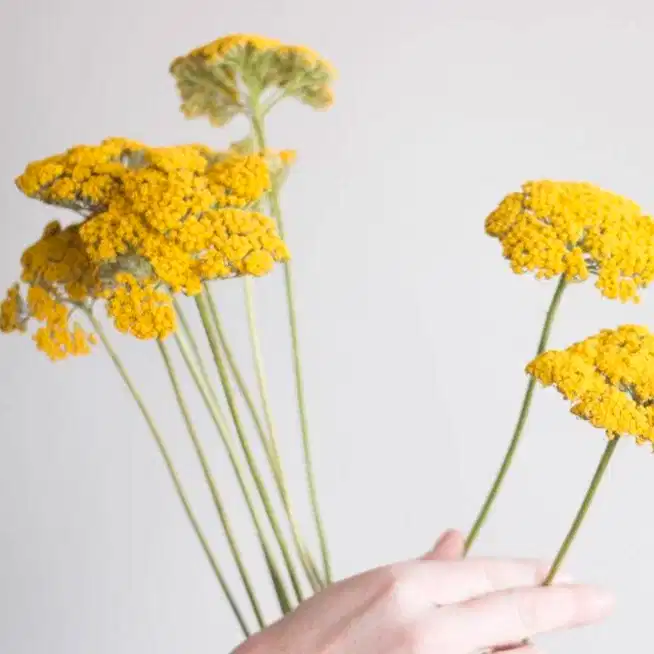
437,604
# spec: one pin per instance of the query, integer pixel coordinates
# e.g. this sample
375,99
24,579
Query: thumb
449,547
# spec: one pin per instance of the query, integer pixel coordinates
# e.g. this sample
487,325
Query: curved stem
215,494
205,313
583,510
120,367
225,435
522,419
259,131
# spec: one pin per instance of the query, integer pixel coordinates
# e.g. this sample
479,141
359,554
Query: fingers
512,616
441,583
449,547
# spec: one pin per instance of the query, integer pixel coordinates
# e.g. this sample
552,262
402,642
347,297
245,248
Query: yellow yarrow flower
609,378
59,261
576,229
58,276
139,308
239,180
58,338
13,311
210,79
83,178
182,214
216,244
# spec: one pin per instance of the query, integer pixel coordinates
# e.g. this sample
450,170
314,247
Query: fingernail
444,538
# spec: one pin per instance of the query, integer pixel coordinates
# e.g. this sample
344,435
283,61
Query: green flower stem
259,368
205,313
120,367
583,510
211,482
259,131
226,437
522,419
267,438
236,372
188,334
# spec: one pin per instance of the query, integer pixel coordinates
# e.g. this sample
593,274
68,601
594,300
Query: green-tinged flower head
216,79
608,378
576,229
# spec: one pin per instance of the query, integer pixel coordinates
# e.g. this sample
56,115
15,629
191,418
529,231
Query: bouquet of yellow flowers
159,229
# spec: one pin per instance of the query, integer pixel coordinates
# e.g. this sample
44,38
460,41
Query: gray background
414,331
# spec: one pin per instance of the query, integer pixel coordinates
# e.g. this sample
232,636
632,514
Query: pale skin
436,604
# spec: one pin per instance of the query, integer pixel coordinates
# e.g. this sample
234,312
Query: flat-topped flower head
58,277
181,215
215,244
219,80
577,229
608,378
84,178
163,184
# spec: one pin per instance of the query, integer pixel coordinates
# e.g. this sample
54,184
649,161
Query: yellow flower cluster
58,337
574,229
183,210
609,378
218,243
58,261
278,162
58,275
13,312
83,178
210,78
139,309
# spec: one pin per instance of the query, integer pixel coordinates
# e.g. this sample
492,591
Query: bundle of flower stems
159,223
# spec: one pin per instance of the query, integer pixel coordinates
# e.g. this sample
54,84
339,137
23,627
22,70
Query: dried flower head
575,229
219,79
609,378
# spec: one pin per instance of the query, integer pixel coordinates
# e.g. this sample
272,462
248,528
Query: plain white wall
414,331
